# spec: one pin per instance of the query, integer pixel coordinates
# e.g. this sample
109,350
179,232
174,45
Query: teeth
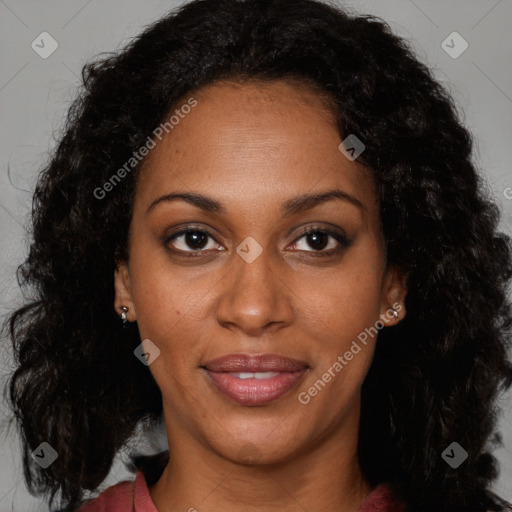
266,375
255,375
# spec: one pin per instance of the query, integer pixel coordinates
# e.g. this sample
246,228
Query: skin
253,146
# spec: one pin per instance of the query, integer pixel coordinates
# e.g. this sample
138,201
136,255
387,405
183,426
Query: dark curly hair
435,377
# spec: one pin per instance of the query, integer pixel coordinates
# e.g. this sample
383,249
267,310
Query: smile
254,380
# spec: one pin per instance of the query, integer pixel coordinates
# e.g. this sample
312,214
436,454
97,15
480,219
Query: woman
180,274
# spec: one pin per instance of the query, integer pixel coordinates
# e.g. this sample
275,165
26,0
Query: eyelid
183,231
338,234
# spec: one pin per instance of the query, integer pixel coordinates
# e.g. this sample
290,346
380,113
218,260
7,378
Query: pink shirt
133,496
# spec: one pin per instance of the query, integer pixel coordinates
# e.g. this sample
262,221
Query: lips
254,379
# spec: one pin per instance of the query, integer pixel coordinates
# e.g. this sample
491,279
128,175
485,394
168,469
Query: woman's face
246,281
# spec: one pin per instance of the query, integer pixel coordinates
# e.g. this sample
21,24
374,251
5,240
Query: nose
255,297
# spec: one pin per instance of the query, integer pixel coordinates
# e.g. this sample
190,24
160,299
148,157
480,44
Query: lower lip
252,392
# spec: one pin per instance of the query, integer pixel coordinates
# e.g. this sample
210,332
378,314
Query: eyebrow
290,207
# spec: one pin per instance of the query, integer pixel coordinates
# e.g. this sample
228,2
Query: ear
394,290
123,291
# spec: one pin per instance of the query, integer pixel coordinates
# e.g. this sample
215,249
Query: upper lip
255,363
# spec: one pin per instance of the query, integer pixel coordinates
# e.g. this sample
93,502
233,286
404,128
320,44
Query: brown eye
191,240
322,241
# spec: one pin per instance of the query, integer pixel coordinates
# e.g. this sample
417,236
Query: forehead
257,141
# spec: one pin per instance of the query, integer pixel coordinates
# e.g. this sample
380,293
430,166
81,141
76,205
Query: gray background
35,94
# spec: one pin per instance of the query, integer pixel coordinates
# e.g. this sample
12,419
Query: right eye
194,239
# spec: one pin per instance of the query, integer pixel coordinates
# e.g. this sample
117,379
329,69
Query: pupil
318,243
192,238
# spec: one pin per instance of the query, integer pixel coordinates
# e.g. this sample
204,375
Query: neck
328,477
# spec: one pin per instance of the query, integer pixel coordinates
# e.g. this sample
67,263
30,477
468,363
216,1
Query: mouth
254,379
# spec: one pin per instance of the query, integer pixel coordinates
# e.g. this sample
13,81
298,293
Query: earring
124,310
395,314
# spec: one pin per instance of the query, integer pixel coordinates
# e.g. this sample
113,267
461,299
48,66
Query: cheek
161,292
342,319
344,300
163,306
167,314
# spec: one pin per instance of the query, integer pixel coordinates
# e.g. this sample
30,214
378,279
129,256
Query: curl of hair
435,377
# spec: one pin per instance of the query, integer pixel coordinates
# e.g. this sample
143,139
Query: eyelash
340,238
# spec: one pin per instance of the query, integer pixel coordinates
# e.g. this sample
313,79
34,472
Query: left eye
319,240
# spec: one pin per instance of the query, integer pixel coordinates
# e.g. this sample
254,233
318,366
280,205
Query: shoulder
131,495
118,497
126,496
382,499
